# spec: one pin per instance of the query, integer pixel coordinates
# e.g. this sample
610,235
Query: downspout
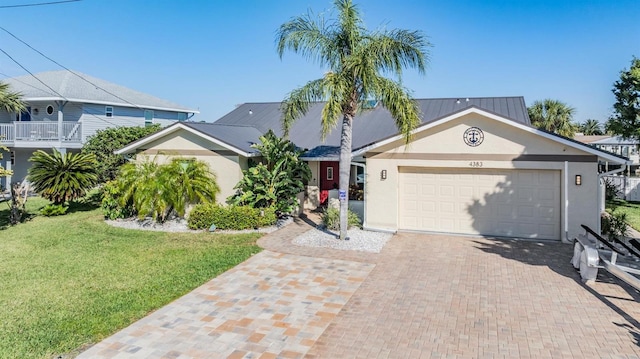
566,202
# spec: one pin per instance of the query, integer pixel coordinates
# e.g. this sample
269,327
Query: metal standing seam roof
238,136
73,87
369,126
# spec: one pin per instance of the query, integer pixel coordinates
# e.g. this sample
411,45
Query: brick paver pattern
423,296
272,305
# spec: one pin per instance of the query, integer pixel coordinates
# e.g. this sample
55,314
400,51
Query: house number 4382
475,164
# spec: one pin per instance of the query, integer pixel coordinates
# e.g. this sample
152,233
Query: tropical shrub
230,217
614,224
51,210
105,142
62,177
159,191
611,190
110,203
331,219
276,180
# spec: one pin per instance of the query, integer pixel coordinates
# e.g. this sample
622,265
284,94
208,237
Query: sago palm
10,101
553,116
356,59
61,177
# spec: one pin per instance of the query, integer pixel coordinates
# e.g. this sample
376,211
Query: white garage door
512,203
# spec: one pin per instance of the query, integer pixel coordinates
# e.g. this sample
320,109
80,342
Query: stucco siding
226,166
504,147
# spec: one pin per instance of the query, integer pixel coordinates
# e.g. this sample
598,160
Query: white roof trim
319,159
523,127
109,103
173,128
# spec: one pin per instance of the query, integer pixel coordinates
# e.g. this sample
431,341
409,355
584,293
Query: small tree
159,190
62,177
104,142
277,180
625,120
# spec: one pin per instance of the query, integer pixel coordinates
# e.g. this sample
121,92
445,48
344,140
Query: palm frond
297,102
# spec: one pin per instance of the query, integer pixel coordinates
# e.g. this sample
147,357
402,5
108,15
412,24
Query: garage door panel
519,203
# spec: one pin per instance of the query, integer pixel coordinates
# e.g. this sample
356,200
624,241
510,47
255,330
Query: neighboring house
73,107
475,166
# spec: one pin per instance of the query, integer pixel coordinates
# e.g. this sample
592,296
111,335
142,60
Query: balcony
41,134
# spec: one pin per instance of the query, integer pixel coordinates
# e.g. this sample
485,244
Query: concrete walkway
424,296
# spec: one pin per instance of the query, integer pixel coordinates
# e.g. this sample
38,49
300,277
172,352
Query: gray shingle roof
370,126
74,88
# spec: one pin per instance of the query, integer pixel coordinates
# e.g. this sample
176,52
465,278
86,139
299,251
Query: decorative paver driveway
272,305
424,296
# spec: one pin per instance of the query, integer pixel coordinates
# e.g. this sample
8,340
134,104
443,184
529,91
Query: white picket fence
629,186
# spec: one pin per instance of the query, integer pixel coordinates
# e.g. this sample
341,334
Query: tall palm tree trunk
345,171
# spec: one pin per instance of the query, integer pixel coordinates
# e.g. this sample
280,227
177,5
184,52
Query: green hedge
232,217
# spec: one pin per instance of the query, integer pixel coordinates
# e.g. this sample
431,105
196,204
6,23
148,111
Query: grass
632,209
69,281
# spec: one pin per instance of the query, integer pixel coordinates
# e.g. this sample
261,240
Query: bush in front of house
62,177
110,203
230,217
614,224
331,219
276,180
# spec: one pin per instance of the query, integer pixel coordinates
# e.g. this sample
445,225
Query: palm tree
591,127
356,58
553,116
157,190
62,177
10,101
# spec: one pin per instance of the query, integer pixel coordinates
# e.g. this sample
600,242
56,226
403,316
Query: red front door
328,179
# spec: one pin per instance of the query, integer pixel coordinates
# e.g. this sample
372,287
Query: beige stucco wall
443,146
225,165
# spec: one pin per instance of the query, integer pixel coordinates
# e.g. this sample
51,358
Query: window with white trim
148,117
108,111
182,116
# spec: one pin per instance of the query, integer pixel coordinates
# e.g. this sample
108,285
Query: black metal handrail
602,240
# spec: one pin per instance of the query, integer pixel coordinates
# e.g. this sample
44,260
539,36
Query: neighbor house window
148,117
330,173
108,111
49,110
182,116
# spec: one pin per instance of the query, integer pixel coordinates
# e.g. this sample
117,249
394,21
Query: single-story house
475,166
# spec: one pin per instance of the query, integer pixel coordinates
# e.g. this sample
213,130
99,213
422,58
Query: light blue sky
213,55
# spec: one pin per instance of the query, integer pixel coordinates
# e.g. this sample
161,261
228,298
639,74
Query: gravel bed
359,240
180,225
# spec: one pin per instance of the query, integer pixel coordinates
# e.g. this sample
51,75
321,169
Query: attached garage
497,202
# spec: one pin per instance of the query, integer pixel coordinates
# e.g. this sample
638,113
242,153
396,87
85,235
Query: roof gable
234,138
72,87
473,110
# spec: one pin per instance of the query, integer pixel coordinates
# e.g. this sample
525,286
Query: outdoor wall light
578,180
383,174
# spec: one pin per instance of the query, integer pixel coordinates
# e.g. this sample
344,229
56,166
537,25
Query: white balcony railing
41,131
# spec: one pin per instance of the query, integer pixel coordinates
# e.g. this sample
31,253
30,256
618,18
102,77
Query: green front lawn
73,280
632,209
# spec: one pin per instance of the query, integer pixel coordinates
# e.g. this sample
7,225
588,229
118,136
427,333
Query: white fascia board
319,159
523,127
110,103
173,128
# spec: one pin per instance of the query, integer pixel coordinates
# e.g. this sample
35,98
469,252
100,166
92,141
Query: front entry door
329,179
